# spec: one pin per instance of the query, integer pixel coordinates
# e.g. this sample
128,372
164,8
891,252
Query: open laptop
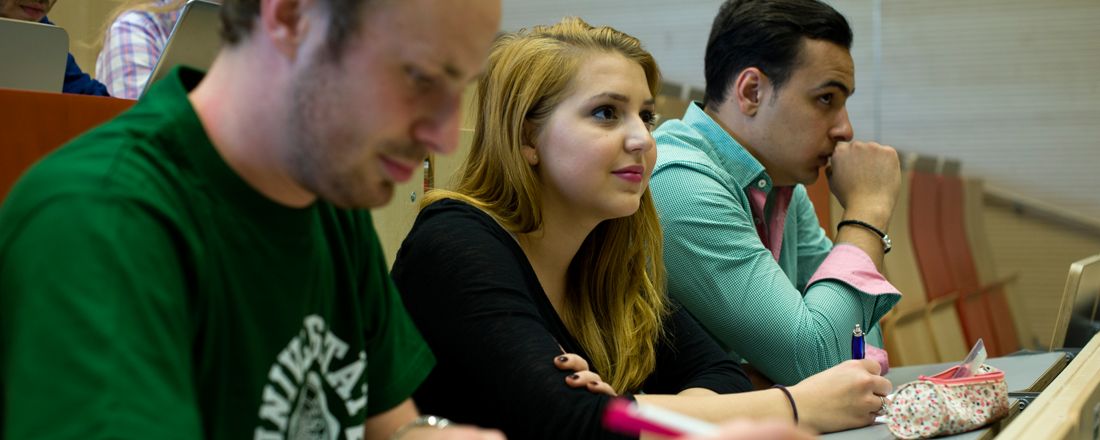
194,42
1076,322
32,56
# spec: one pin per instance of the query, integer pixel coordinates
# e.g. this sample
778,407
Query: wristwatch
886,243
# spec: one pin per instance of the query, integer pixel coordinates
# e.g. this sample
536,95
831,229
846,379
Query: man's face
29,10
802,123
359,125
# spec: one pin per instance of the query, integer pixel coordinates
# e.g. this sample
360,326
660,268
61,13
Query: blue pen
859,351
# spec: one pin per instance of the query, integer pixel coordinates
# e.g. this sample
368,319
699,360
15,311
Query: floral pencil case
938,405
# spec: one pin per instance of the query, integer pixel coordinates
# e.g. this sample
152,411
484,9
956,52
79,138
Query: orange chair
924,221
974,299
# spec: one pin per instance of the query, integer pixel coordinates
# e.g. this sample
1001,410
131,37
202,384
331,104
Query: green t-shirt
146,291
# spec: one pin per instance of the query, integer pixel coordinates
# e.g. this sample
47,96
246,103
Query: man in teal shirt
204,265
744,251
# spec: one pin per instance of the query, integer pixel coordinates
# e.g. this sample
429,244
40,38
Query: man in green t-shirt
204,265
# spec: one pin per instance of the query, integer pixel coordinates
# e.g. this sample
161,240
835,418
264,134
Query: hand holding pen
846,395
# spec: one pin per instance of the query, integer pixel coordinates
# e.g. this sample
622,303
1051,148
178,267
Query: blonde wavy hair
615,302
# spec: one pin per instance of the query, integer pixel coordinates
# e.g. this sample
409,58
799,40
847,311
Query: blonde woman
133,44
550,244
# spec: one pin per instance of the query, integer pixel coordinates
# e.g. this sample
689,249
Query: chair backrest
974,311
956,244
924,228
1082,285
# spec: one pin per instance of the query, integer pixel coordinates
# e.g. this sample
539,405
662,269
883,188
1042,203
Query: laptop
1076,321
32,56
194,42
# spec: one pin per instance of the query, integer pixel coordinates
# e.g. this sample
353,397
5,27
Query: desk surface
1029,372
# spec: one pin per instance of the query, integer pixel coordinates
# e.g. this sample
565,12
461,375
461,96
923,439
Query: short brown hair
345,17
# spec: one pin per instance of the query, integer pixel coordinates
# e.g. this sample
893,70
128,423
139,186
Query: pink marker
626,417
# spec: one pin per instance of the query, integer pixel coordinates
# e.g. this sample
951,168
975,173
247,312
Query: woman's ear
530,154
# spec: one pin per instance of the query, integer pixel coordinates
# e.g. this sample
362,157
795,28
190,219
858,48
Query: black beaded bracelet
790,398
886,243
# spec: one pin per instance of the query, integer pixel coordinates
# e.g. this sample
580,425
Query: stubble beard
319,154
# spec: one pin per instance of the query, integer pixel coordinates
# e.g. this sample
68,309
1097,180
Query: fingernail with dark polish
575,376
594,383
562,358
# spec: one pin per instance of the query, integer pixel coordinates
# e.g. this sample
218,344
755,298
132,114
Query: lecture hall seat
951,341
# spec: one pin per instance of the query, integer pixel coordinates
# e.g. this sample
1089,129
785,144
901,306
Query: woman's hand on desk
582,377
843,397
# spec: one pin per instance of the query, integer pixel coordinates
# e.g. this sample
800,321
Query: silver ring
882,409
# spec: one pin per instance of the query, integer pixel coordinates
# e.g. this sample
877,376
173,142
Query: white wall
1010,87
676,35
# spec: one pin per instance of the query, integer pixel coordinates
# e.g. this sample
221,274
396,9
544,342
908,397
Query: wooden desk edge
1053,415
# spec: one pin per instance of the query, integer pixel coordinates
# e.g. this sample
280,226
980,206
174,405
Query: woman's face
595,153
28,10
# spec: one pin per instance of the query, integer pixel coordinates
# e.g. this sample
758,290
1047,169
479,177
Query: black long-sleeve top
477,301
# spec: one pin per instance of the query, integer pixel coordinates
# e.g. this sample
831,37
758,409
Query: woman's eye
649,118
417,78
604,112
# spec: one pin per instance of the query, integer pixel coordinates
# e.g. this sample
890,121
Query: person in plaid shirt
133,44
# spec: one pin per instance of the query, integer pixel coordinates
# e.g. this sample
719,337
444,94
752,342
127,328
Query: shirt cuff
879,355
851,265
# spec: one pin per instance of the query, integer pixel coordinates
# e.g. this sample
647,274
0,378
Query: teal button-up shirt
790,315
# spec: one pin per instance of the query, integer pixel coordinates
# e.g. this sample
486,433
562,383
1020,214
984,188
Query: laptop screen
194,42
1076,320
34,56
